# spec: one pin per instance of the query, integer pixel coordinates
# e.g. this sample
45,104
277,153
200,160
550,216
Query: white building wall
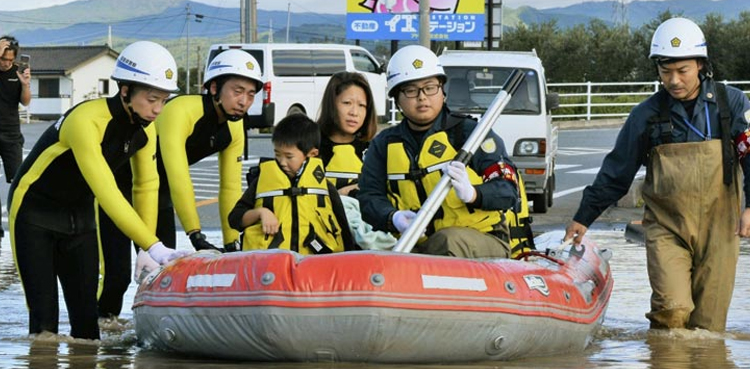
85,79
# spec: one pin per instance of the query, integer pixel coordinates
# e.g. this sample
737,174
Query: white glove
460,181
162,255
402,219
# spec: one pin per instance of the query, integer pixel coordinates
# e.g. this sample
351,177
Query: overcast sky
321,6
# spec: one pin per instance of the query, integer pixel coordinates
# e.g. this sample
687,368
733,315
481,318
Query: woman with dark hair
348,122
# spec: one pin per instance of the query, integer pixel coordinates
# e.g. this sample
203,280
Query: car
295,76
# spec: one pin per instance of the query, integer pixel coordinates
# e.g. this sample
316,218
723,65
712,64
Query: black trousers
43,256
116,248
117,266
11,151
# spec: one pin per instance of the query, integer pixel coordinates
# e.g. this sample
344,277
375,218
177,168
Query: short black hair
13,43
297,130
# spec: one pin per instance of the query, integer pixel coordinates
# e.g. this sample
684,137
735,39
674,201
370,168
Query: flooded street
624,340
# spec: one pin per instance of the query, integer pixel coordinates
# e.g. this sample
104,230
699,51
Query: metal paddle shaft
435,200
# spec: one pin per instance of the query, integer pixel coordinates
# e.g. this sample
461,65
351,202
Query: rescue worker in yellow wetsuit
194,127
348,121
688,135
190,128
404,163
51,200
289,204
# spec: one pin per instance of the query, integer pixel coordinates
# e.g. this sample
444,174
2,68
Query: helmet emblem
249,65
168,73
417,63
675,42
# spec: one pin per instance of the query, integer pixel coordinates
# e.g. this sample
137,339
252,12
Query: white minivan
295,76
525,125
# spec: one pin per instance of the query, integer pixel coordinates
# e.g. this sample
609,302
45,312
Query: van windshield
472,89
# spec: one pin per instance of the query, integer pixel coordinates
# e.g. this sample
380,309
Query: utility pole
248,21
288,19
254,20
187,49
198,19
424,23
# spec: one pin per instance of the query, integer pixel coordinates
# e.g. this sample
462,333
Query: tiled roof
62,59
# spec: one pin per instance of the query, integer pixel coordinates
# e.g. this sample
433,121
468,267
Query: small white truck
475,78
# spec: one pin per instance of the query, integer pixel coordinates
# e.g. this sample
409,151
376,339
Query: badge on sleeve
489,145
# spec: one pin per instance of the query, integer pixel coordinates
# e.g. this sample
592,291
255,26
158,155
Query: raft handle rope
524,255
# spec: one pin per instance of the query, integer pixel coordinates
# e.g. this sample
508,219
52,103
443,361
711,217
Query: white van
295,77
475,78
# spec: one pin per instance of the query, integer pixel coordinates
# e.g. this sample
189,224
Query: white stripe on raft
453,283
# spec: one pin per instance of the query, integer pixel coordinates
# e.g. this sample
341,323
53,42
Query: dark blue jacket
376,208
635,139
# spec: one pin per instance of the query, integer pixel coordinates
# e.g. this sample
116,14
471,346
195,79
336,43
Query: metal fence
593,100
596,100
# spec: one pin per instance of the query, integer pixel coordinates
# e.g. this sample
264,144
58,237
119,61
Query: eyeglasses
428,90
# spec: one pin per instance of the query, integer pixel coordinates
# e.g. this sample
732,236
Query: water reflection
685,349
8,273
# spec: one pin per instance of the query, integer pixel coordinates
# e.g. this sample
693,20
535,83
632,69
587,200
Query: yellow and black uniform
519,224
189,130
343,162
402,166
52,211
408,189
310,213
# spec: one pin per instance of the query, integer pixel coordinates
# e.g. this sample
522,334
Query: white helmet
234,62
411,63
147,63
678,38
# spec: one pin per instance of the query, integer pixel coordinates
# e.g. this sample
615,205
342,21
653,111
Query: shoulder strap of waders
727,144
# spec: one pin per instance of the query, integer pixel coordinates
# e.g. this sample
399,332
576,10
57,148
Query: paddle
435,199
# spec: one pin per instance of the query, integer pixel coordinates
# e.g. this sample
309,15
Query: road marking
566,166
586,171
577,151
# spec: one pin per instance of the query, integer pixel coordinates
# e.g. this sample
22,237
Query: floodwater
624,341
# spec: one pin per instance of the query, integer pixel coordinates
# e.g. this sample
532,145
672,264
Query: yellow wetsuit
189,130
51,208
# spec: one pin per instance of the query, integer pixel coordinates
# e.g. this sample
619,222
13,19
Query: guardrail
591,100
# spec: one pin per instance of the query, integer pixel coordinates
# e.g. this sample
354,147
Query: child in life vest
289,204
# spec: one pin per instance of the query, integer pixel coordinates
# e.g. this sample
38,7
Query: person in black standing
15,88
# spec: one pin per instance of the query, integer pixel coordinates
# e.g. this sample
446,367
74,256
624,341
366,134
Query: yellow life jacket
408,188
344,167
521,236
307,223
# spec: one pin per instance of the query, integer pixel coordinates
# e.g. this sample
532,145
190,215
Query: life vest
409,187
519,223
344,167
307,223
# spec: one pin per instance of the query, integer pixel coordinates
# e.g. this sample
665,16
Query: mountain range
172,21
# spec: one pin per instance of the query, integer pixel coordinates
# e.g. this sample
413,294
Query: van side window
292,63
328,62
362,62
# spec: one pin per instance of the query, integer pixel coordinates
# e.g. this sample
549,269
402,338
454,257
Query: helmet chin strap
137,119
231,117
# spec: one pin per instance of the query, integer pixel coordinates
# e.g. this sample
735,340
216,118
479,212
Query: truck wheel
550,191
540,202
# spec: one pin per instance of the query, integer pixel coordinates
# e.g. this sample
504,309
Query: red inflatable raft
376,306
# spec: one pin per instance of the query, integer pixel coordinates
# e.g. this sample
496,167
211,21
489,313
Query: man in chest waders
692,136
